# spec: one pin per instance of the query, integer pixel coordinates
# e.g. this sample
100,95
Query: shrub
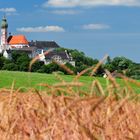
58,72
10,66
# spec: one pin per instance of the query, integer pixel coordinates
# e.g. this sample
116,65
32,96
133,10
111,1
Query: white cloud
41,29
60,3
95,26
12,14
8,10
74,3
65,12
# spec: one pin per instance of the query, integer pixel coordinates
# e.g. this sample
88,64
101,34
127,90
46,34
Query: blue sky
96,27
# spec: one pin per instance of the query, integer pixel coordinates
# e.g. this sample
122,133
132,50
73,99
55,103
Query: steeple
4,24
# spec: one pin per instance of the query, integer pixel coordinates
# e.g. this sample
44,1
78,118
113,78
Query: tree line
21,61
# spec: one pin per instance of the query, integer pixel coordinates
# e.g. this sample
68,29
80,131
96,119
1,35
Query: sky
96,27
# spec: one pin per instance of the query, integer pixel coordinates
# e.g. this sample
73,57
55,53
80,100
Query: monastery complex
20,43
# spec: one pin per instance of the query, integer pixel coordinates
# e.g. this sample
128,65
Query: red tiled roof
18,39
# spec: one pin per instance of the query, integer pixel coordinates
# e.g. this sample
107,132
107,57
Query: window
57,58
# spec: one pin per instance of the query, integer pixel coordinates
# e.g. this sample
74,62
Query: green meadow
25,80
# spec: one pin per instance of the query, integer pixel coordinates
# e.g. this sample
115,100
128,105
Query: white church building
10,42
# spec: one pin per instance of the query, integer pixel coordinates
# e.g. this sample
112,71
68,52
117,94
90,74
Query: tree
15,55
118,64
108,60
36,66
22,60
133,71
121,63
2,61
24,66
10,66
68,65
81,68
49,68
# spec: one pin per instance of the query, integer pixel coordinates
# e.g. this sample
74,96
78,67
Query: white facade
17,46
5,54
3,37
3,44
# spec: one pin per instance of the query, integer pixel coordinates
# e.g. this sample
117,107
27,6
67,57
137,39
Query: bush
36,66
10,66
137,77
2,61
68,65
24,66
58,72
49,68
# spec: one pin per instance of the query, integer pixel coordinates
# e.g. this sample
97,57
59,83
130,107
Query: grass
26,80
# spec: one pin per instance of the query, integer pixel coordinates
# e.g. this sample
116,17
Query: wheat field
110,114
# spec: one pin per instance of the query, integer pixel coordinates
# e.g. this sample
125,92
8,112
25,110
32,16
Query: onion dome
4,23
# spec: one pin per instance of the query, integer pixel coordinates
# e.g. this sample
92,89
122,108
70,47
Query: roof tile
18,39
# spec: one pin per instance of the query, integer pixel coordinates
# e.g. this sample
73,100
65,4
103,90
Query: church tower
4,27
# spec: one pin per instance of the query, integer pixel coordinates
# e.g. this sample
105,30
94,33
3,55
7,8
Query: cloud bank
75,3
95,26
8,10
41,29
65,12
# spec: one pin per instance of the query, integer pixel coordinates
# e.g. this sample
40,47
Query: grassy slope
31,80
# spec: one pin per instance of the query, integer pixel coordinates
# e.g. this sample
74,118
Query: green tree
49,68
10,67
36,66
68,65
15,55
121,63
118,64
22,60
2,61
133,71
24,66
